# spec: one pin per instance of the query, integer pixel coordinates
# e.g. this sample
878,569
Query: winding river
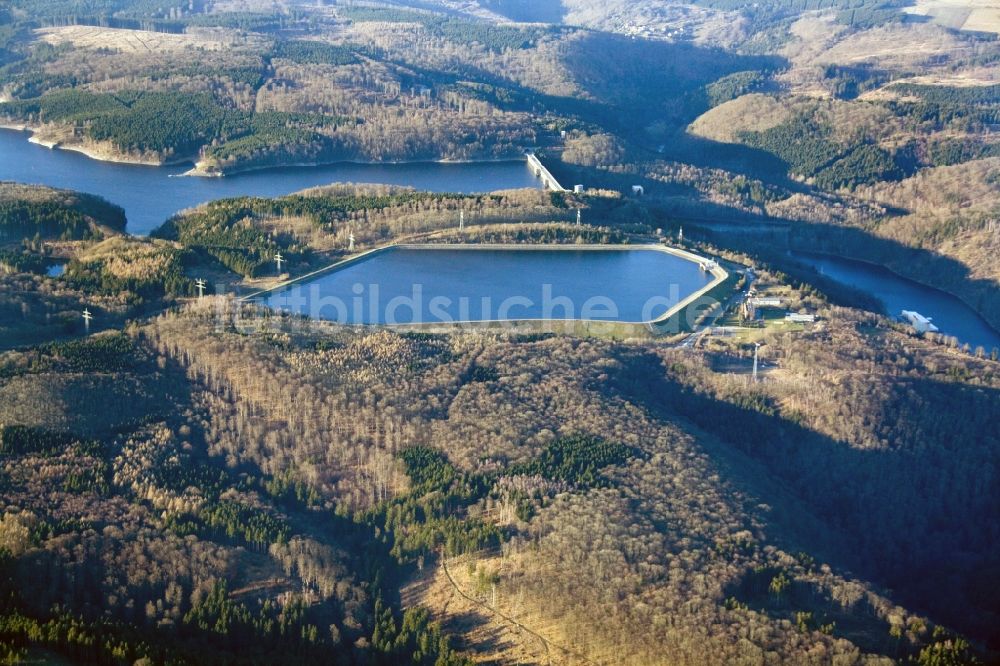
151,194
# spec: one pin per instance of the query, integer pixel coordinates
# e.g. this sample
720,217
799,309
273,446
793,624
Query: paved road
703,329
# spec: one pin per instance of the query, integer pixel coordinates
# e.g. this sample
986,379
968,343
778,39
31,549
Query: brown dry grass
978,15
483,633
140,41
895,46
979,76
818,40
749,113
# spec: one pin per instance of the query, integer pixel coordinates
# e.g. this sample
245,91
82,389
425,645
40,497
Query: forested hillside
244,234
237,101
187,478
132,270
38,228
176,508
178,559
62,252
31,211
655,492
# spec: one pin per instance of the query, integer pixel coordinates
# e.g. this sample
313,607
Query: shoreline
197,172
37,137
630,328
835,255
92,154
923,285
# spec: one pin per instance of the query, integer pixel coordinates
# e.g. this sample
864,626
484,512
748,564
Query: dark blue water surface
149,195
949,314
404,286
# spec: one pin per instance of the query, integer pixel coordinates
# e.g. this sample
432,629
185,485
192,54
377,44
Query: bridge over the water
548,180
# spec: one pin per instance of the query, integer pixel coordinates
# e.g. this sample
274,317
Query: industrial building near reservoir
920,323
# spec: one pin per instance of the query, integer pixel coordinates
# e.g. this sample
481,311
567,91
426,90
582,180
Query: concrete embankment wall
672,321
344,263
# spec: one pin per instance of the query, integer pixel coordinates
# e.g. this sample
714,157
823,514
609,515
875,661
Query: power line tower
756,348
461,221
86,319
350,242
278,259
200,284
579,217
680,236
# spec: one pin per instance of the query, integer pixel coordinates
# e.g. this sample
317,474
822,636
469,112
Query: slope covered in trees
27,211
151,549
583,487
237,101
165,125
131,269
495,471
244,234
215,483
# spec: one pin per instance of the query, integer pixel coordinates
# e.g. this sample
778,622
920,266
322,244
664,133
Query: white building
920,323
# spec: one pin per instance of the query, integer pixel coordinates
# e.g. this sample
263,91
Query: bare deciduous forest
190,478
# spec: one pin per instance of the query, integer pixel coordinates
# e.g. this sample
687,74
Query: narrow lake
150,195
949,314
447,284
